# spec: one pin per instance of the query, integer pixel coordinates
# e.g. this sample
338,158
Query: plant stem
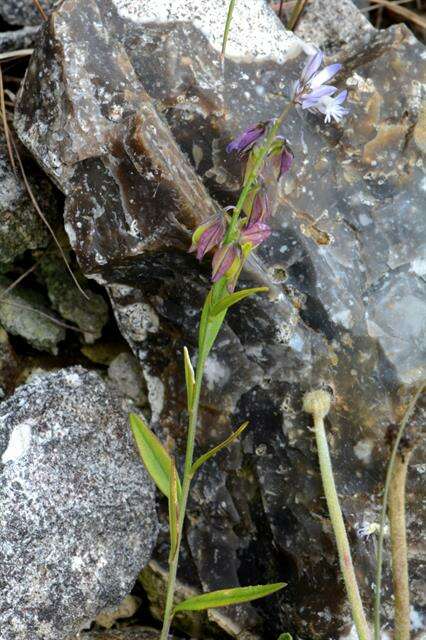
344,552
398,536
219,289
186,482
263,152
227,26
379,561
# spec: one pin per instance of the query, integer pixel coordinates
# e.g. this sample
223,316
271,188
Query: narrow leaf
226,597
233,298
189,377
155,457
173,511
202,459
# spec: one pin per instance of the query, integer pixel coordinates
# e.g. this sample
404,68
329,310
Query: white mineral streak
19,442
155,395
268,40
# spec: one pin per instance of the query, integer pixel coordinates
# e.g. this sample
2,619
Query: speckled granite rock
20,226
344,267
77,516
24,11
19,39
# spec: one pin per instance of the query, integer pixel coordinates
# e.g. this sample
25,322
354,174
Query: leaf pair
226,597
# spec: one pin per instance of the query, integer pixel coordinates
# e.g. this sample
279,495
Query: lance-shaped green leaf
189,377
202,459
285,636
209,325
156,459
225,597
173,511
233,298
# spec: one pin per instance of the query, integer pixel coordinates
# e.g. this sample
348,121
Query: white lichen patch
215,373
19,441
363,450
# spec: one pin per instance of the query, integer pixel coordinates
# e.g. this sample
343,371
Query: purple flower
255,234
261,209
246,140
331,106
208,235
226,261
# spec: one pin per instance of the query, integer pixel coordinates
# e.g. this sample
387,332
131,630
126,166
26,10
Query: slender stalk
227,26
379,559
295,14
342,542
398,536
186,483
263,152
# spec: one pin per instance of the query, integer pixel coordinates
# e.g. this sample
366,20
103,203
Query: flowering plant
231,236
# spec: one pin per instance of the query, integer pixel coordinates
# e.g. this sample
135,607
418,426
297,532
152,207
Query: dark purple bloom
208,235
261,209
246,140
226,261
255,234
286,160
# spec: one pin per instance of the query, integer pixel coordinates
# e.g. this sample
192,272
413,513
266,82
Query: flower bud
317,403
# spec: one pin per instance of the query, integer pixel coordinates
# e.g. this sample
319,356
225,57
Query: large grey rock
24,11
77,516
344,266
21,227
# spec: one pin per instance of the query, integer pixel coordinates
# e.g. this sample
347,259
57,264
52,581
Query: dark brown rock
343,264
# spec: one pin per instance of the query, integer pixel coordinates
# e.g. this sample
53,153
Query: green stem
379,561
344,552
263,152
186,483
227,26
398,536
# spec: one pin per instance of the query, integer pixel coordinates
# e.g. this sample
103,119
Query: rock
77,516
343,262
24,11
126,609
9,366
333,23
23,312
20,39
131,633
125,372
20,226
89,313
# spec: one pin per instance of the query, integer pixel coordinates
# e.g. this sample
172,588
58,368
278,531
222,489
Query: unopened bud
317,403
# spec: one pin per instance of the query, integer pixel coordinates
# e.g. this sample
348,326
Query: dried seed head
317,403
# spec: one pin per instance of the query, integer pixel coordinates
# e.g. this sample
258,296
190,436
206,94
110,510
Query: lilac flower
255,234
331,106
247,139
261,209
226,261
312,85
208,235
